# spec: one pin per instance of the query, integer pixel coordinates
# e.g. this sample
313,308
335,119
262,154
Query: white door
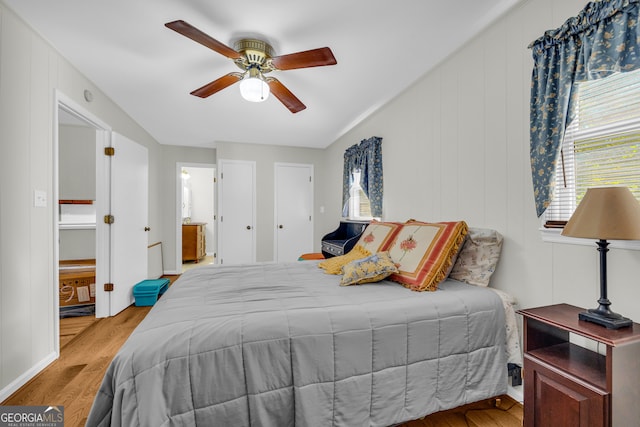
129,207
236,208
293,211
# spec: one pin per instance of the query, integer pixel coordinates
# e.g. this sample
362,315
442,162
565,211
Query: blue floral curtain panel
367,158
603,39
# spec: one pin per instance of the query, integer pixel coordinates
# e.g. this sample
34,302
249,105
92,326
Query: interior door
293,211
236,223
129,207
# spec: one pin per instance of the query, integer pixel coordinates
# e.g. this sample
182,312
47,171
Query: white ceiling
381,46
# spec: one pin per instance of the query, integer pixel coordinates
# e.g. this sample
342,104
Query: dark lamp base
610,320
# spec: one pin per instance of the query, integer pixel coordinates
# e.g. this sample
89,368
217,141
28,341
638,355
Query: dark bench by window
343,239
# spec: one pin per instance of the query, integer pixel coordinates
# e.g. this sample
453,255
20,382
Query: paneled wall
30,73
456,146
265,157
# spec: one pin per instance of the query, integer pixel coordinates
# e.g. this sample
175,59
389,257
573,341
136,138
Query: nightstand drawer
555,398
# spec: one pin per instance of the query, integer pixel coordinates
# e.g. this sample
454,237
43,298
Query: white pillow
479,256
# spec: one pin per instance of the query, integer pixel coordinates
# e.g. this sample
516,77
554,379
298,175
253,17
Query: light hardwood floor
89,344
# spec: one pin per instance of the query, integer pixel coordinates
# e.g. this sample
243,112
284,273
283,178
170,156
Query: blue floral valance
365,157
603,39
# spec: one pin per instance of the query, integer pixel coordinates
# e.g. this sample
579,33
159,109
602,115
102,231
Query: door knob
147,229
248,227
281,226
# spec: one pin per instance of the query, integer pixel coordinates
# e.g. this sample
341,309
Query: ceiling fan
255,58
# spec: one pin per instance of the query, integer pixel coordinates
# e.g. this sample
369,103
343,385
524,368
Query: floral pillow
368,270
377,237
478,258
424,253
334,265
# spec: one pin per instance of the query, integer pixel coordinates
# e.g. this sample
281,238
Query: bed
284,345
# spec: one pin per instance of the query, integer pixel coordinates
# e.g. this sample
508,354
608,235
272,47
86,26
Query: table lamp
607,213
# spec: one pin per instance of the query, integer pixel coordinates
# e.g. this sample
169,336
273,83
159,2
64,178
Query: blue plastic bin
146,293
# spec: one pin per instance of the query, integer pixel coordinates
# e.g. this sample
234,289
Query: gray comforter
283,345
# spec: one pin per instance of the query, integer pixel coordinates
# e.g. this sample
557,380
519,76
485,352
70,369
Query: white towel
83,294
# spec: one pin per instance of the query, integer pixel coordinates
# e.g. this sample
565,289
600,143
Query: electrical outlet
39,199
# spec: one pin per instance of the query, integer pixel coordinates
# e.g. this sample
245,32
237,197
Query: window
359,206
601,146
362,178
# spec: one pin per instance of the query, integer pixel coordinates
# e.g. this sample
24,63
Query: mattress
284,345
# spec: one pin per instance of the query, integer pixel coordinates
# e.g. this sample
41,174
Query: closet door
293,211
237,219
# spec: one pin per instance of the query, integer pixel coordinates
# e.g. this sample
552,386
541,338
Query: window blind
601,146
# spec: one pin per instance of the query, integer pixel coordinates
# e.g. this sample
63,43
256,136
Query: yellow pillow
334,265
368,270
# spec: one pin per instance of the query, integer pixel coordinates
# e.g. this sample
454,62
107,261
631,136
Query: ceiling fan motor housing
255,51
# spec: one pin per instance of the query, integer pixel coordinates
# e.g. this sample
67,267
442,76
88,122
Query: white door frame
179,166
103,137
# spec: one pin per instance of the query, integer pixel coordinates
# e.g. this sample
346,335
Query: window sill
360,219
552,235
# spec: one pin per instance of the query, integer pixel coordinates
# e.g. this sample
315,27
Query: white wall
265,157
456,146
77,181
30,72
77,162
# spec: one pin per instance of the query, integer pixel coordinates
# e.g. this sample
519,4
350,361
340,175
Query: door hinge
108,287
109,151
109,219
215,180
309,179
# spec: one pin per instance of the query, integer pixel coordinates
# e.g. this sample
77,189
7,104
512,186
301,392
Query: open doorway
77,216
77,258
196,215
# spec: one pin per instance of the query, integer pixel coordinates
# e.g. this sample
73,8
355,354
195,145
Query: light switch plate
39,199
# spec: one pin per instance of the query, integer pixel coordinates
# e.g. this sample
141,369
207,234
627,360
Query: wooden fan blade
306,59
285,96
195,34
217,85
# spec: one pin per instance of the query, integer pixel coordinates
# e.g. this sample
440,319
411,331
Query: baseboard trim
516,393
15,385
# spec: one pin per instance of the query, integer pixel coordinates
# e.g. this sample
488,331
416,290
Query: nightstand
569,385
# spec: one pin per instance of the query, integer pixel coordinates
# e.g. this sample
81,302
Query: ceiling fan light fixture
256,58
253,87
